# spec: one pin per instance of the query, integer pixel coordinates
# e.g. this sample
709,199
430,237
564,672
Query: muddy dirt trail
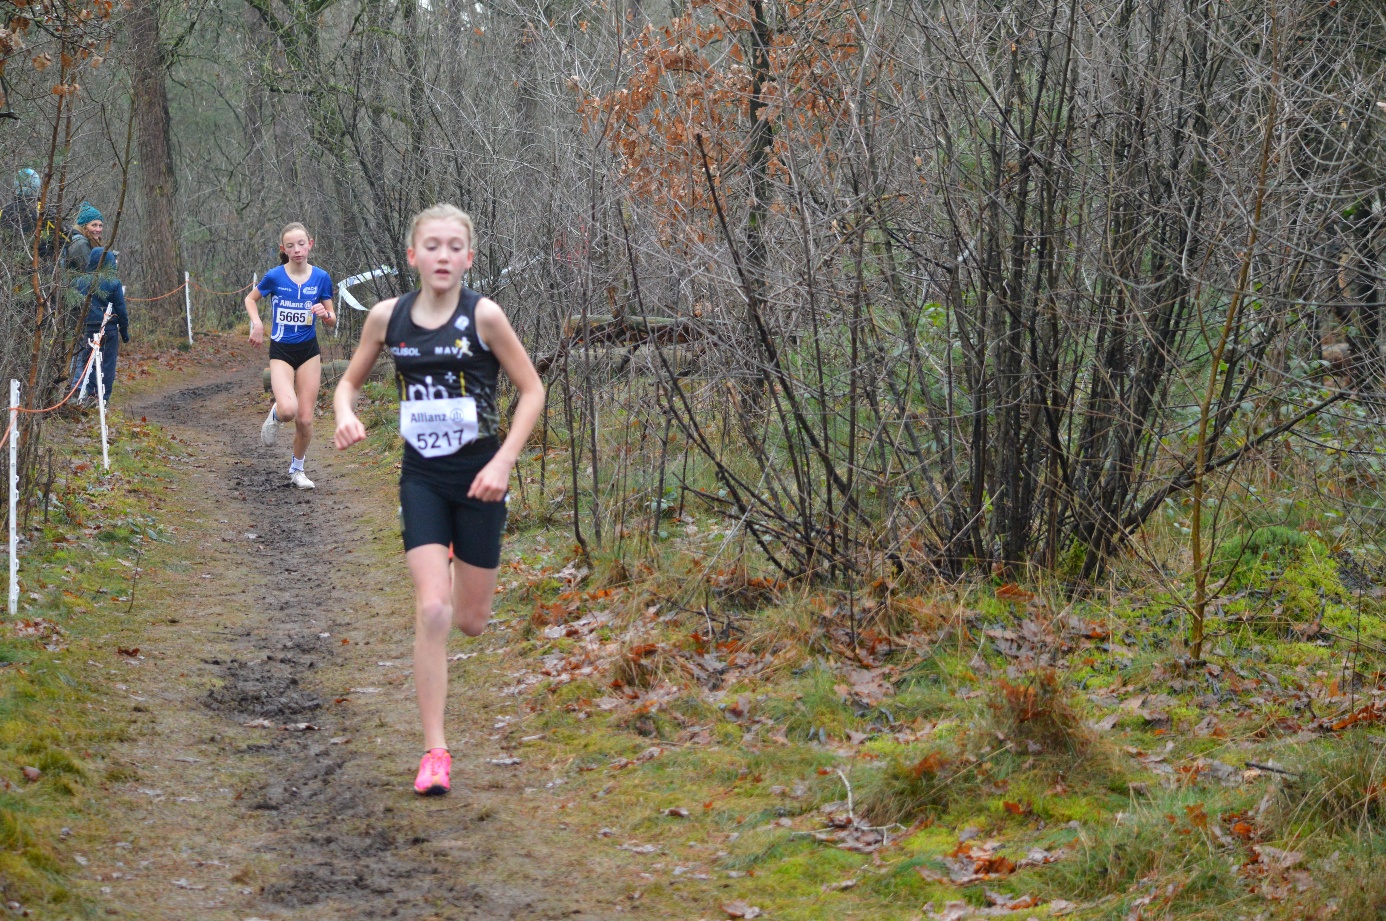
267,772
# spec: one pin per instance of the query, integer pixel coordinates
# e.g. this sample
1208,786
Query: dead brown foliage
1039,712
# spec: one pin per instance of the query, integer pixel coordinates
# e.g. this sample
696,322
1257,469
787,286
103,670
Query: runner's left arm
493,481
324,310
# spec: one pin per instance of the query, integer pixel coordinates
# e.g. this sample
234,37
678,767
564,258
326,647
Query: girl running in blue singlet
448,344
299,295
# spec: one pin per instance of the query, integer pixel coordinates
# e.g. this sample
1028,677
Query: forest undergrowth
756,747
987,748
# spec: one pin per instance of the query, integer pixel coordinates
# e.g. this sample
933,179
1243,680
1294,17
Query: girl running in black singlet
449,345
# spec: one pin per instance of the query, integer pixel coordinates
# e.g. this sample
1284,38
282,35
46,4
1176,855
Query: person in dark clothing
20,217
98,287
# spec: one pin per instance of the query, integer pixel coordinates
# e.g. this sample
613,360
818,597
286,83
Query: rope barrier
91,359
9,436
222,293
145,300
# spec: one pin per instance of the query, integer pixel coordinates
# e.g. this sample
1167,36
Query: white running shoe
270,429
300,479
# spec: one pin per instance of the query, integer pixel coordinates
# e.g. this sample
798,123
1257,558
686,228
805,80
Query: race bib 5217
438,427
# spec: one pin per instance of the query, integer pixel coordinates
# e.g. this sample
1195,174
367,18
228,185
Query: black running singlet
447,383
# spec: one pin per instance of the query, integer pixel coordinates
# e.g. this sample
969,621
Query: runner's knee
471,617
434,616
286,409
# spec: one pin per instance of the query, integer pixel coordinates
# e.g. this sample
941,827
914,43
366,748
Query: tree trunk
161,266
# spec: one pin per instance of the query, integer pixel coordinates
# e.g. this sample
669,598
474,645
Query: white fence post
86,375
101,407
95,343
14,497
187,302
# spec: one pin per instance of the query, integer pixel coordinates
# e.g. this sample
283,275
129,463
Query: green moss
809,704
1085,809
1180,713
812,867
574,691
902,885
694,708
922,700
1253,550
1308,654
757,847
935,841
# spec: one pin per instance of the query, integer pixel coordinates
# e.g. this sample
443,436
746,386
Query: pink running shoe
433,773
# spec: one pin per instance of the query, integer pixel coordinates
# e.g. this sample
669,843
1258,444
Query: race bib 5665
293,316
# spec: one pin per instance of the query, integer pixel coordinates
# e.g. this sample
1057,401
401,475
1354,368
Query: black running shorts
296,354
438,511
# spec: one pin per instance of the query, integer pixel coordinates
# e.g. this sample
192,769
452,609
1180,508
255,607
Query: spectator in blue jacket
98,287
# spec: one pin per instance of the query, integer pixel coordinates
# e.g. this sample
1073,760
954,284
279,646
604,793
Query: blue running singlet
291,304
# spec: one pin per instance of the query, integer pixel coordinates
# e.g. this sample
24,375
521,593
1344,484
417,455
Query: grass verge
80,562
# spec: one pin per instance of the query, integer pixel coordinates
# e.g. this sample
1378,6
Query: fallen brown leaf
1014,593
1011,902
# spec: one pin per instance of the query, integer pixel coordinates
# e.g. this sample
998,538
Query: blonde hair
443,212
288,228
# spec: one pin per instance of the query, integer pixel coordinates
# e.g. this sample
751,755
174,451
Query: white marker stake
101,407
187,301
86,374
95,343
14,498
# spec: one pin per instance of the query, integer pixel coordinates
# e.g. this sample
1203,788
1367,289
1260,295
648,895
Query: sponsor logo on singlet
460,349
406,351
427,391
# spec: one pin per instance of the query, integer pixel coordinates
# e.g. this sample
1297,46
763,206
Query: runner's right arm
349,428
257,329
